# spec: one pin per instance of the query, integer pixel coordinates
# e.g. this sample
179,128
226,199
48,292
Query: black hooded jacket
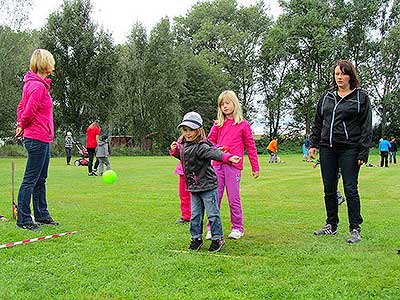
196,163
343,122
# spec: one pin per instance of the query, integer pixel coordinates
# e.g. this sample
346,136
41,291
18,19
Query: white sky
118,16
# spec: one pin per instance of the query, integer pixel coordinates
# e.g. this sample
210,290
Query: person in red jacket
92,138
35,124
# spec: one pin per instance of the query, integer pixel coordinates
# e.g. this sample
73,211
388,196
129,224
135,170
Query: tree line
279,68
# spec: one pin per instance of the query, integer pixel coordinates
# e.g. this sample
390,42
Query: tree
314,33
276,64
131,113
16,46
15,13
85,59
165,73
202,86
228,37
382,68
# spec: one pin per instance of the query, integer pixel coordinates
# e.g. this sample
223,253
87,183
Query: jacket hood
31,76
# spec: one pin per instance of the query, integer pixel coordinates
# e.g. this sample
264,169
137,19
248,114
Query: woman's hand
312,152
19,132
360,162
234,159
256,174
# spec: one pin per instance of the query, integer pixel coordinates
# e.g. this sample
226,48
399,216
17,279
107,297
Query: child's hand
224,149
234,159
173,146
256,174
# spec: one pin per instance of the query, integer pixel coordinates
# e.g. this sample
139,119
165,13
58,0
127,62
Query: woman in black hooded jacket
342,131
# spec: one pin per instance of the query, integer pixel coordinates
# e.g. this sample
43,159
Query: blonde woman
232,133
35,125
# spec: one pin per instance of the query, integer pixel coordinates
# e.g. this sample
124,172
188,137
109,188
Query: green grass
130,248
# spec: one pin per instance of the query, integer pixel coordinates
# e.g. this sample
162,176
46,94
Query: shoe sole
45,224
235,238
333,233
24,228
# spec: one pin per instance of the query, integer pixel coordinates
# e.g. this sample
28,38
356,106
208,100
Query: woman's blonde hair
42,61
94,124
237,108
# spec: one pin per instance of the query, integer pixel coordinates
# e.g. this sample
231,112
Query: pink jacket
35,110
179,169
233,138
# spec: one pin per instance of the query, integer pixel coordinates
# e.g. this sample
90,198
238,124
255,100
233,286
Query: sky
118,16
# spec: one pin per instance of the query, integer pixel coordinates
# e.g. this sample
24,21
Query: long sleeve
366,130
316,127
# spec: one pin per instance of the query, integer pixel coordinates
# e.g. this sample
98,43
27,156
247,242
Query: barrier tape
41,238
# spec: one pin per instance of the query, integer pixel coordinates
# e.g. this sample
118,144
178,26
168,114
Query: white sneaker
208,235
235,234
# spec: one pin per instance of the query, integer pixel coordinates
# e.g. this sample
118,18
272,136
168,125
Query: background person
342,130
68,146
184,195
384,147
92,138
35,124
393,150
103,151
272,149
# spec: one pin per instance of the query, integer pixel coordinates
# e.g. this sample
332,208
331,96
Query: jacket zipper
183,163
345,130
333,119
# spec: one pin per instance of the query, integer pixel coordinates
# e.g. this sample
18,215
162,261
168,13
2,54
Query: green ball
109,177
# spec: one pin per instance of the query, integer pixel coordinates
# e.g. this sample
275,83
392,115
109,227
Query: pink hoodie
35,110
233,138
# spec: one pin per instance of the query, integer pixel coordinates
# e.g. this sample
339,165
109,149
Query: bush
13,150
284,145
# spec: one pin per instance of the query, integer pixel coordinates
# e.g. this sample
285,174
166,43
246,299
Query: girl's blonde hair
237,108
42,61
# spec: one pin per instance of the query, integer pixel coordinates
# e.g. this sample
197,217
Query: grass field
129,246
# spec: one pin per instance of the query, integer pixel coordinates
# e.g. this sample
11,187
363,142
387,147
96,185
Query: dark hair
385,137
347,68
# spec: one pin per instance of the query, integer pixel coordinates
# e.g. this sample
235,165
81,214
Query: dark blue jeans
34,183
68,152
347,160
207,201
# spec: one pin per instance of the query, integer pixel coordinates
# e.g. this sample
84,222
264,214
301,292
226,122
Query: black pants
384,158
347,160
68,152
91,153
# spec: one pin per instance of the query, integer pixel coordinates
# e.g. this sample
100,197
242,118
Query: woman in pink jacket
35,124
231,133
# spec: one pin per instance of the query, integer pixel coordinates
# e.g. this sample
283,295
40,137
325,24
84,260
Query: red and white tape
41,238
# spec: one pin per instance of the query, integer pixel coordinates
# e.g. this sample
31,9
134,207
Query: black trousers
68,152
384,158
91,153
347,160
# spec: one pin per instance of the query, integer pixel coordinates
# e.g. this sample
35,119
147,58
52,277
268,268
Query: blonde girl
232,133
